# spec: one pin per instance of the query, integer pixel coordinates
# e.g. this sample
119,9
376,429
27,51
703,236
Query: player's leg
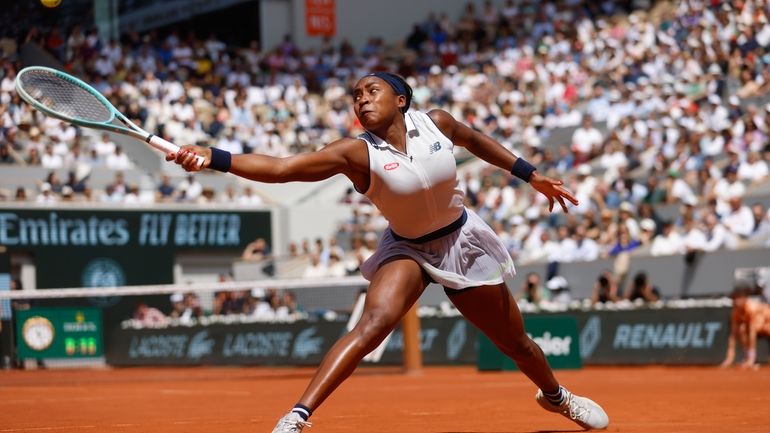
396,286
493,310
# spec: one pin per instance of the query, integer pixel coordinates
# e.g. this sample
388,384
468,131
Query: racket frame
130,129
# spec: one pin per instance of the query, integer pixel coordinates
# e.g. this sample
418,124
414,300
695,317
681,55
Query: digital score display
59,333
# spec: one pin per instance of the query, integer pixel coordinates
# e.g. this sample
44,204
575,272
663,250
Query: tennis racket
60,95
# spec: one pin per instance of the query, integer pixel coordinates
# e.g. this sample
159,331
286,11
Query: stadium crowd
636,105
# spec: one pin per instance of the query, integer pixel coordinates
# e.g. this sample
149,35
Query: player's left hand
553,189
749,366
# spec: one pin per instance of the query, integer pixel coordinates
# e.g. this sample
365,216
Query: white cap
516,220
257,292
584,170
532,213
556,283
529,76
626,207
733,100
435,69
690,200
714,99
45,187
177,297
715,69
647,224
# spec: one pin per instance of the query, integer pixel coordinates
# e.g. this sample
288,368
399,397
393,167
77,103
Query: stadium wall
671,336
392,20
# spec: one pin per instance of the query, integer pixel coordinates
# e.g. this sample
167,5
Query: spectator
625,218
165,190
754,170
229,302
739,219
190,189
586,140
5,154
717,236
256,251
605,289
648,229
78,185
559,290
587,250
727,187
118,160
250,197
641,288
315,269
625,243
149,316
669,242
104,147
46,195
761,221
532,290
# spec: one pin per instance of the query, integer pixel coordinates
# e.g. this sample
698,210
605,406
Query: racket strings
64,97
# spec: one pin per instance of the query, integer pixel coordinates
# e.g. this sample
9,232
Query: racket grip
168,147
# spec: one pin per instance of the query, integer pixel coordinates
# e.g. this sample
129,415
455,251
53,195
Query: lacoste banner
444,341
556,335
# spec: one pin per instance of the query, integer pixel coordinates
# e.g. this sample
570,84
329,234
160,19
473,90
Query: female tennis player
749,319
404,164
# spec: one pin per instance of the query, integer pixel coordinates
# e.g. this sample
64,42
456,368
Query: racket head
68,98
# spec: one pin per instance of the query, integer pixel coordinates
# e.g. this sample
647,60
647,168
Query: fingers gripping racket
60,95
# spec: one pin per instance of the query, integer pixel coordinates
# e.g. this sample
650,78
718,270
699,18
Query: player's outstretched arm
730,355
339,157
490,150
750,360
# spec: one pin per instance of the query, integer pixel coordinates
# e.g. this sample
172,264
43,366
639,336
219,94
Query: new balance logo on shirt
435,147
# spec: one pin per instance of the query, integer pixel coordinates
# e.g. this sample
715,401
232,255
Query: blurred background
655,114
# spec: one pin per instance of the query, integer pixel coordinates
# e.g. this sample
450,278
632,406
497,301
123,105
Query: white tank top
416,191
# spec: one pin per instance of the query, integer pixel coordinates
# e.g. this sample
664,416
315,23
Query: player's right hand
186,157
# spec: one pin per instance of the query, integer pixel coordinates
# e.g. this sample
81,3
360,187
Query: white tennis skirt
471,256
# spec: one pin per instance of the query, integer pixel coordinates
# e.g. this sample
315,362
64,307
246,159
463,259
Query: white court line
58,428
171,391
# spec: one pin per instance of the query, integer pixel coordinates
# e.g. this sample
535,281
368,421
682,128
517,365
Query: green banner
557,336
95,248
59,333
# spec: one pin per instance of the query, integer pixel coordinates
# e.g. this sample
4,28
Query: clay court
441,400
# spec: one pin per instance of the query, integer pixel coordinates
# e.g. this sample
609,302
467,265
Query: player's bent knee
521,348
372,329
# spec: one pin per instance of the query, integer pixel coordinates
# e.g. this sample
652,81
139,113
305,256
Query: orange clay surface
440,400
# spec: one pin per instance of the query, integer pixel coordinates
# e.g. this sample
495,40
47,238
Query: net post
410,325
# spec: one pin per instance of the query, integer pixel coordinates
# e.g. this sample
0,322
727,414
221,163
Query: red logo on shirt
390,166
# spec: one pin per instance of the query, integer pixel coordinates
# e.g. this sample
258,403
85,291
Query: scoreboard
59,333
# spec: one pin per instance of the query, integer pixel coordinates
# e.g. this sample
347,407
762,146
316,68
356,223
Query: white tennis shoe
584,411
291,423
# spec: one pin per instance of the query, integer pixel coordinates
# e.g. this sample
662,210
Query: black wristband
220,160
522,169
